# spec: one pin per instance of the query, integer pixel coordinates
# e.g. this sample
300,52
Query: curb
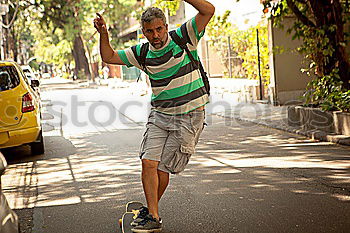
314,134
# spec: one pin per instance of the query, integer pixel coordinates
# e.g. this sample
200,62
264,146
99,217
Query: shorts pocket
197,120
177,162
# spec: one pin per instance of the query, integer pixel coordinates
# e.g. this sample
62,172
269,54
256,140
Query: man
179,96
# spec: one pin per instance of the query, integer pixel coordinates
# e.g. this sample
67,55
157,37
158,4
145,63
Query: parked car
20,117
29,72
8,218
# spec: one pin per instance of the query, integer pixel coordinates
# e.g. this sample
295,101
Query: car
8,218
20,109
29,72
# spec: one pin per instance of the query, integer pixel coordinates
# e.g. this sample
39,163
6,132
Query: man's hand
100,24
205,12
108,55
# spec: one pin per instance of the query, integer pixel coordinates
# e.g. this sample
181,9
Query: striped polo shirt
177,87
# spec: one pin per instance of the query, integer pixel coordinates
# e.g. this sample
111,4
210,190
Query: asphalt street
243,177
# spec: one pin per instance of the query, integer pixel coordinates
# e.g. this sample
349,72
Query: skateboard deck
133,206
127,218
131,211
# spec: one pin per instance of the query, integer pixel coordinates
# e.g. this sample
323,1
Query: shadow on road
242,179
254,179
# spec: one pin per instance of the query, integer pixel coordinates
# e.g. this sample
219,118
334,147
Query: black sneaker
148,224
142,213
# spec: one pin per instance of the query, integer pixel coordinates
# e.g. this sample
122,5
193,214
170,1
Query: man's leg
150,181
163,183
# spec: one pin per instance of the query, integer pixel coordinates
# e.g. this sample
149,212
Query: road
243,177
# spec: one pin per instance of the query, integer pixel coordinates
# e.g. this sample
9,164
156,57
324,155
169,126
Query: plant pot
311,119
342,122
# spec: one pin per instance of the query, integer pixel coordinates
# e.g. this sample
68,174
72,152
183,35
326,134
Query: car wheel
37,147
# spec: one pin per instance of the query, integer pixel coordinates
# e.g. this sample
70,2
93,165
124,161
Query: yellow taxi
20,117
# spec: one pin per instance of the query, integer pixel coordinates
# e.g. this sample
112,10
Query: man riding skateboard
179,96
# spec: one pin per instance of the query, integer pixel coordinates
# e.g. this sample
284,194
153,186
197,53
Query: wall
287,82
210,59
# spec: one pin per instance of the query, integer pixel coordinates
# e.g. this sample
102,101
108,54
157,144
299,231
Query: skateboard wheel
120,222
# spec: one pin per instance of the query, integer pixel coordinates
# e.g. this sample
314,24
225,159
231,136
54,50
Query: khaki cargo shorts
171,140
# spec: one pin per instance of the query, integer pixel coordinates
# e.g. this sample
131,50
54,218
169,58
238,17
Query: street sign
4,8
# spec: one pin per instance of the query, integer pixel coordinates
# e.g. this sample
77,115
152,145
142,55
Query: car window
25,76
8,78
28,74
26,71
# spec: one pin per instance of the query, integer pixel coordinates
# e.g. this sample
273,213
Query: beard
157,43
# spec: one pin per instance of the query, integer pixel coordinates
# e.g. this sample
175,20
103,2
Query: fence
223,60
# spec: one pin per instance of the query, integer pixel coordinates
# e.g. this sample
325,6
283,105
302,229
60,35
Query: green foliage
219,30
327,93
129,44
250,63
117,15
171,6
34,65
51,51
48,28
320,28
244,52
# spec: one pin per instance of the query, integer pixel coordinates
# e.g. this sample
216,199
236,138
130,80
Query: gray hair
152,13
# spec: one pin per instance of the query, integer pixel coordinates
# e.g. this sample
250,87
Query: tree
60,25
67,16
320,26
118,14
53,52
11,36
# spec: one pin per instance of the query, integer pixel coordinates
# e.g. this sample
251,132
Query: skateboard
131,211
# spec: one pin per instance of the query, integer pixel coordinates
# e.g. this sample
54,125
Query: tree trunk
15,47
81,61
334,16
341,54
7,40
327,12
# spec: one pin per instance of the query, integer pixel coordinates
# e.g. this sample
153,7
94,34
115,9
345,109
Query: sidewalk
277,117
262,114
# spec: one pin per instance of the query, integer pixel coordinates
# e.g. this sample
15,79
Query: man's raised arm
205,11
108,55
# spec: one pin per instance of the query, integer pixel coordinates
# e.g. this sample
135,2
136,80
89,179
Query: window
25,76
8,78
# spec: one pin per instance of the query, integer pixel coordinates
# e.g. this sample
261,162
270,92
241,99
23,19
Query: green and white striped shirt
177,87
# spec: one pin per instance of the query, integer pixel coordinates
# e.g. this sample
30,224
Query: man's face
156,32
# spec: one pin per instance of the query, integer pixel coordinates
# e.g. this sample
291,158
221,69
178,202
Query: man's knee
149,164
162,173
